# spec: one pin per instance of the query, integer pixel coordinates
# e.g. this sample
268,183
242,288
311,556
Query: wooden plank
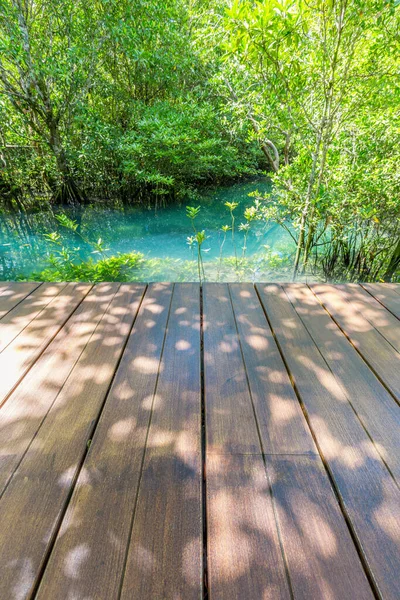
369,495
25,349
99,516
6,291
375,407
11,294
373,311
376,350
386,294
230,420
165,551
176,418
40,488
281,422
309,515
16,320
319,550
244,555
23,413
392,286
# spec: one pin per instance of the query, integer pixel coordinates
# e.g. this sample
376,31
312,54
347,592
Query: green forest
150,102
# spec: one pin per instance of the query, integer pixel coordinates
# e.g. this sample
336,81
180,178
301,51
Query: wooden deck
172,443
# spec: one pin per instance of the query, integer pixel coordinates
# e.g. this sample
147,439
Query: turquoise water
157,233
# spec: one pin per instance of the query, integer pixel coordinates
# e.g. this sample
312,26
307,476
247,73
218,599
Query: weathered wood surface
387,294
380,355
37,494
172,441
322,560
230,422
25,410
373,311
244,555
11,294
30,327
167,523
361,387
299,483
283,428
369,495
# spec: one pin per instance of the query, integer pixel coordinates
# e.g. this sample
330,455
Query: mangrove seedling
224,229
232,206
199,238
191,240
246,228
191,213
250,214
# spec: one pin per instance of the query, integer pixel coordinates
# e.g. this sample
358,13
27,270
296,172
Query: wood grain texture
176,414
387,294
281,422
322,559
12,293
375,407
323,562
374,348
369,495
392,286
40,488
121,517
230,421
22,352
102,505
373,311
244,554
22,414
165,551
26,311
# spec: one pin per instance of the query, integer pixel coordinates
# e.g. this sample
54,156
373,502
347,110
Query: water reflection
160,233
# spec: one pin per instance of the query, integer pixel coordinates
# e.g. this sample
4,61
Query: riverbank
159,235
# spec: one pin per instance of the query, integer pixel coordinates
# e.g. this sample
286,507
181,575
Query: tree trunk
69,192
394,263
300,243
304,216
309,242
272,160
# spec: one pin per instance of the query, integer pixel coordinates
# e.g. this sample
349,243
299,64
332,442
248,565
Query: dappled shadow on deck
129,470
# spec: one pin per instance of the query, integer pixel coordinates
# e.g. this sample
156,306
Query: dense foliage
150,99
109,98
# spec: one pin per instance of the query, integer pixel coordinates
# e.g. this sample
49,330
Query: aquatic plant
250,214
232,206
224,229
65,264
121,267
72,225
199,238
191,240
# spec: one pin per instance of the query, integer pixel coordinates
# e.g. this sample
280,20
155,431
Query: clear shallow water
158,234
